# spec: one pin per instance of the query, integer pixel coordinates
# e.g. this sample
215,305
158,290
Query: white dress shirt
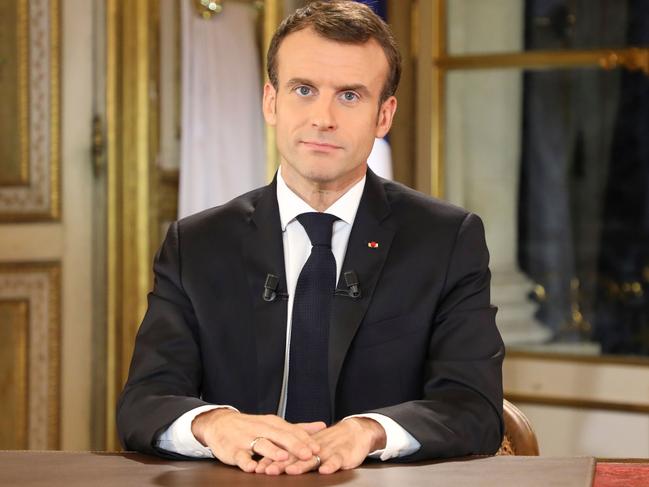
178,438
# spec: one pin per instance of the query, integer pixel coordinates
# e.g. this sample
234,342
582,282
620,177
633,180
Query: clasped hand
285,447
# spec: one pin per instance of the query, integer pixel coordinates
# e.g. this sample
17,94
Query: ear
386,115
269,104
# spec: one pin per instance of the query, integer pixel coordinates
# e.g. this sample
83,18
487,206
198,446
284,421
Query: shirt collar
291,205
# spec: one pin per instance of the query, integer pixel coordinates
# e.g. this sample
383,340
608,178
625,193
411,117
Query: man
250,352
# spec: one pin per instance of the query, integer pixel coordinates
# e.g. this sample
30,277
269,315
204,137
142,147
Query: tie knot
318,227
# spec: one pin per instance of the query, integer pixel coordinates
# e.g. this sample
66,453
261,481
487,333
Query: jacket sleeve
460,412
165,373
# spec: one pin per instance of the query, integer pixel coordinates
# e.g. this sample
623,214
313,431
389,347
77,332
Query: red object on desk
621,475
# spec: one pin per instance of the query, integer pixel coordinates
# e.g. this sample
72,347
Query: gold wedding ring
254,442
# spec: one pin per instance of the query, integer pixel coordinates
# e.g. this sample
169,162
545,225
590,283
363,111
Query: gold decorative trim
22,95
40,284
132,221
402,134
39,198
438,136
631,58
112,231
424,23
154,107
15,331
178,78
54,436
23,91
55,121
557,401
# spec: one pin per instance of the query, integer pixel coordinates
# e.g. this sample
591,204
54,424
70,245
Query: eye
303,90
349,96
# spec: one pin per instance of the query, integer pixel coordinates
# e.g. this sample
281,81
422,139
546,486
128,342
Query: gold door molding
30,310
14,336
131,219
140,197
14,119
29,88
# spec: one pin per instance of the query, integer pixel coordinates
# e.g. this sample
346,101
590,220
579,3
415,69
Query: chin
323,171
322,176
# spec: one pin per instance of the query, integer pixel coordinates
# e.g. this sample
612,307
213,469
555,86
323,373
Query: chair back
519,438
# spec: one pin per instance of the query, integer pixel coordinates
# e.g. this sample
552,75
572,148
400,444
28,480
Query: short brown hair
342,21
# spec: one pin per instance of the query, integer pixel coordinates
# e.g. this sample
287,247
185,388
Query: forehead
305,54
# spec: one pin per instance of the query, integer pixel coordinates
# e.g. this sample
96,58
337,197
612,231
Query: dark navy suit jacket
420,345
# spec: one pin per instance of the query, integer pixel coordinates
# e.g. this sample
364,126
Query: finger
274,469
244,461
278,468
293,439
283,434
312,428
267,448
331,464
301,431
262,465
302,466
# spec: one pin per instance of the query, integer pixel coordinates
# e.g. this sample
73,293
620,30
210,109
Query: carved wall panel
14,337
29,119
30,358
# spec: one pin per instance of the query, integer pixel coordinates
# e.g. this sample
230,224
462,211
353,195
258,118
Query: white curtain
222,137
380,160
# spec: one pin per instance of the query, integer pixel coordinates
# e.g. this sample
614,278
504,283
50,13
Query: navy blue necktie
308,376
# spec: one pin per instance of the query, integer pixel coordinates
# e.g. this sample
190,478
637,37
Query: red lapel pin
373,244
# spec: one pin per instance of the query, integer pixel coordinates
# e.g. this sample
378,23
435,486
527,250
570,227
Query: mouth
320,146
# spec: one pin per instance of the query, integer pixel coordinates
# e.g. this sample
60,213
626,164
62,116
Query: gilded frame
38,197
39,283
14,317
22,87
134,182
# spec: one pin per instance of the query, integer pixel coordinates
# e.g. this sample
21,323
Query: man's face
326,108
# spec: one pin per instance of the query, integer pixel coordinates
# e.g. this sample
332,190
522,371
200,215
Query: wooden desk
70,469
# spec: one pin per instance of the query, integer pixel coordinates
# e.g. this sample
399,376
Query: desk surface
130,469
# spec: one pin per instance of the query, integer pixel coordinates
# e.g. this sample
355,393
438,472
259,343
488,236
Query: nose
322,114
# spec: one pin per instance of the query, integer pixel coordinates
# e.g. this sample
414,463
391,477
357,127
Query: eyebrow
358,87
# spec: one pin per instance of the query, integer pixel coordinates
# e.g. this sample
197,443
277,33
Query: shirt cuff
399,443
178,437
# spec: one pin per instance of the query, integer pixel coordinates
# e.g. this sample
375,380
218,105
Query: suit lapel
263,254
370,225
